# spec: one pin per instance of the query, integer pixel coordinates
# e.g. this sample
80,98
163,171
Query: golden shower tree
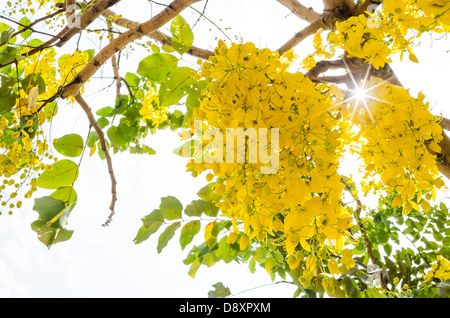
268,138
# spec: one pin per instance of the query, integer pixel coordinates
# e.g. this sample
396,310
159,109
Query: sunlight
360,94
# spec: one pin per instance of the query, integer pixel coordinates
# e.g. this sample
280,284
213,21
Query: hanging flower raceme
151,109
285,186
396,141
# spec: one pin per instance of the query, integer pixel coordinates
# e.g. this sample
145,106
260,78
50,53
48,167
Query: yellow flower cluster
70,66
298,203
396,133
439,270
151,109
421,15
43,65
385,32
20,153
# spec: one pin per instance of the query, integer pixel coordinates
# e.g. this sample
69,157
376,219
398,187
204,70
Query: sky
104,262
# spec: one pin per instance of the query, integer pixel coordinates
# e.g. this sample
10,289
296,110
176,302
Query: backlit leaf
171,208
62,174
69,145
182,36
188,232
176,85
157,66
167,235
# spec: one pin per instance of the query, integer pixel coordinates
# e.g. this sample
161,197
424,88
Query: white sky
104,262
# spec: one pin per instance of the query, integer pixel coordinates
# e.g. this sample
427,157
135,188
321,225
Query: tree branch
124,39
84,105
115,64
362,229
158,36
362,7
301,11
303,34
92,13
323,66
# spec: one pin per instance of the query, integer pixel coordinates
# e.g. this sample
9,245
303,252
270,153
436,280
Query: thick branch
124,39
70,9
303,34
323,66
159,36
84,105
305,13
445,123
86,19
333,5
362,7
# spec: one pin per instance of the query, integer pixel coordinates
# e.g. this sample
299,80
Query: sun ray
361,94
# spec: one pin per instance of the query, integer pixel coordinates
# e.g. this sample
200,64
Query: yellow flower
347,259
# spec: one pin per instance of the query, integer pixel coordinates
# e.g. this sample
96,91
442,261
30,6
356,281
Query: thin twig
115,64
84,105
363,229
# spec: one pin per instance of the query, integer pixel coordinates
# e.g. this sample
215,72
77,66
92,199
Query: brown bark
121,41
301,11
158,36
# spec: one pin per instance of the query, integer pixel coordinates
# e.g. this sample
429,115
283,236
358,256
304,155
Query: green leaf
176,119
116,136
92,139
103,122
24,22
171,208
194,267
34,80
105,112
176,85
207,193
50,110
69,145
133,80
122,103
152,223
66,194
348,286
309,293
142,150
62,174
182,35
188,232
8,55
7,99
167,235
190,149
156,66
220,291
50,235
225,251
195,208
48,207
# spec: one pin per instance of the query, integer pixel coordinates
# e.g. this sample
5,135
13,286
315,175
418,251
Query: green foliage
156,66
182,36
69,145
175,85
220,291
61,174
